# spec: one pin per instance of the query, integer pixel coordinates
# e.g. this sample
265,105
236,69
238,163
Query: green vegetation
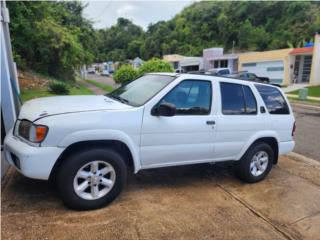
77,89
125,73
313,91
101,85
58,88
155,65
55,39
51,37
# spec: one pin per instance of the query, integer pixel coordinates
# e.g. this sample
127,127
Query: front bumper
31,161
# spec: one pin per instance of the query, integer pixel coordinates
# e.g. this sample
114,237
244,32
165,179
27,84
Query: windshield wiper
123,100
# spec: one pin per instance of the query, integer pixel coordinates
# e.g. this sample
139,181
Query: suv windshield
139,91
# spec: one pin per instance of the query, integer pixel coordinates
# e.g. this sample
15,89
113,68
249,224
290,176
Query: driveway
192,202
307,135
102,79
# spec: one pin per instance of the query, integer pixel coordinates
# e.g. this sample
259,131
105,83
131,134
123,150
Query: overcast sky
142,13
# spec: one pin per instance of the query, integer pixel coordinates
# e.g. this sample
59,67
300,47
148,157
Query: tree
125,73
155,65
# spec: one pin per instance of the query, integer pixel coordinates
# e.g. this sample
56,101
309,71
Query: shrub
155,65
58,88
125,73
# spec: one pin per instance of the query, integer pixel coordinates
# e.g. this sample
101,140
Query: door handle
211,122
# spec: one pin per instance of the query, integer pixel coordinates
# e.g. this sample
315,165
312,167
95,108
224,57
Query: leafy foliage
125,73
58,88
54,38
51,37
155,65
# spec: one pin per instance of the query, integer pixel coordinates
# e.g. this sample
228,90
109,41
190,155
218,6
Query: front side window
237,99
272,97
139,91
190,97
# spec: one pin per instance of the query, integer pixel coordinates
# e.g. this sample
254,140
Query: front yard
313,91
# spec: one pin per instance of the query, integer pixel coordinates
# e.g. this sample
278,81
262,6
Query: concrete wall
315,68
275,55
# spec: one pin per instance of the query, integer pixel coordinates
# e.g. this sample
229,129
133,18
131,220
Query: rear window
237,99
272,97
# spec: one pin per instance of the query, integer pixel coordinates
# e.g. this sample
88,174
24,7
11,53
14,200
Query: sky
105,13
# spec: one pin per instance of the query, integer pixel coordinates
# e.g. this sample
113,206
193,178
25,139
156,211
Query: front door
186,137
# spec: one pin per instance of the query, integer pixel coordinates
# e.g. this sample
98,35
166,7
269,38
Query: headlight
30,131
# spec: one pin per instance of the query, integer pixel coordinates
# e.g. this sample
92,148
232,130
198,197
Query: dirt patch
30,80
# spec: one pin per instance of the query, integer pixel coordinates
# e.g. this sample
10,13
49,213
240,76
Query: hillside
55,39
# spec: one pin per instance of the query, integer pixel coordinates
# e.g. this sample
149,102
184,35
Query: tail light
293,129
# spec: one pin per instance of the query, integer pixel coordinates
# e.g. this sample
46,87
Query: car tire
104,173
256,163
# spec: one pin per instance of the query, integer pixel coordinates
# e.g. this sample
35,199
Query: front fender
131,141
255,137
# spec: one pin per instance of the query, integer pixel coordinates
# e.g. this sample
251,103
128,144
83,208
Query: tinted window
237,99
250,100
273,99
191,97
232,98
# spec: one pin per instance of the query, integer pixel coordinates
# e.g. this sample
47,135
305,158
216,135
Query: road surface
307,134
102,79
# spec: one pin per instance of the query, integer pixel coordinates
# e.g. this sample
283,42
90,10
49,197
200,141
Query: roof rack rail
204,73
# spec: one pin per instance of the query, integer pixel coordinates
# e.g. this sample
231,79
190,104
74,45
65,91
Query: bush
125,73
155,65
58,88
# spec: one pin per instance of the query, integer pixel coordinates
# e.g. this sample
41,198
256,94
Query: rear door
238,121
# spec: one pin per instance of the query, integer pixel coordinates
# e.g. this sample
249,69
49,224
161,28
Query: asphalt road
307,134
102,79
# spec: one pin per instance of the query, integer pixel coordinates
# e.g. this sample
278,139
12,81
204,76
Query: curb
308,106
299,157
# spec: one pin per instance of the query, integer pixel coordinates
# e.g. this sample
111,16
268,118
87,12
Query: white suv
88,143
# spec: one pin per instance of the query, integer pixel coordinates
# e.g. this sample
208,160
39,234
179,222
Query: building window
274,69
276,80
249,64
216,64
224,63
175,65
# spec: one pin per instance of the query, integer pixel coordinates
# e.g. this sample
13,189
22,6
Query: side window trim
184,80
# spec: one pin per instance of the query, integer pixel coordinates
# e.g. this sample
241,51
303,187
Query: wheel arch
121,147
270,140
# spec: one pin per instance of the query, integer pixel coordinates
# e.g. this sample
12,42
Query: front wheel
256,163
91,179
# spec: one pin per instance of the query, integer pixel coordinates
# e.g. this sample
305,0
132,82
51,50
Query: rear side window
237,99
272,97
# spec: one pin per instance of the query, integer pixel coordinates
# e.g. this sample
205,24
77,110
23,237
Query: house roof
302,50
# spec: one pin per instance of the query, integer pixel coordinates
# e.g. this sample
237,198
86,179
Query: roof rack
204,73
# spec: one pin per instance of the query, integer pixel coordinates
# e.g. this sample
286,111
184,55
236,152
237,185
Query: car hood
42,107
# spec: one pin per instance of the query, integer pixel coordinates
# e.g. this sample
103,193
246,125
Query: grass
313,91
101,85
309,101
80,89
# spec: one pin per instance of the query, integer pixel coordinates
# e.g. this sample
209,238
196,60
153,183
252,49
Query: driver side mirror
164,109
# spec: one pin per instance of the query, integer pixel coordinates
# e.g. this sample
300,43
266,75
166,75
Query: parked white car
88,143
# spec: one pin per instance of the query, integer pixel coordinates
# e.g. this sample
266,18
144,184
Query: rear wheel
256,164
91,179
